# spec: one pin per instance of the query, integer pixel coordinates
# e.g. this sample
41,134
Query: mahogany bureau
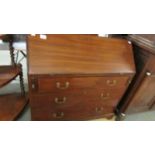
77,77
140,96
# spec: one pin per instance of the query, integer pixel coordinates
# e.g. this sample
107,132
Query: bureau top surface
78,54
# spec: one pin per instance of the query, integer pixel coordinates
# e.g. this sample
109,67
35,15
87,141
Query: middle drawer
86,97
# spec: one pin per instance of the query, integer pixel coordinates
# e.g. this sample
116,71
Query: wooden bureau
140,96
77,77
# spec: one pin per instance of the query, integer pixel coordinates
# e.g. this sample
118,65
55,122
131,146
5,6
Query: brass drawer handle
99,110
58,115
60,101
105,96
148,73
33,86
111,82
60,86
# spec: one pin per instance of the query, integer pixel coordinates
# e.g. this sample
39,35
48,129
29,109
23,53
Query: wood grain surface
77,54
77,77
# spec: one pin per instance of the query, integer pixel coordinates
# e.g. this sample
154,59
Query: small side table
11,105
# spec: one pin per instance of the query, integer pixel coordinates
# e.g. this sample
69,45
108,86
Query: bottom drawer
76,112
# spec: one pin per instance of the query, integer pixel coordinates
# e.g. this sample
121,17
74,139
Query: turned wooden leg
12,52
22,82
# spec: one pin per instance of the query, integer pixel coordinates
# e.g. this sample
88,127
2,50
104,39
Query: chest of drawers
77,77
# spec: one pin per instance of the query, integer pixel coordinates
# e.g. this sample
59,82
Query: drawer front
47,84
103,97
78,112
54,101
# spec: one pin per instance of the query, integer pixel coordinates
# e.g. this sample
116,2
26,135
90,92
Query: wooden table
11,105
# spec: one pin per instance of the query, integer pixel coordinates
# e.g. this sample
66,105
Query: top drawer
57,84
